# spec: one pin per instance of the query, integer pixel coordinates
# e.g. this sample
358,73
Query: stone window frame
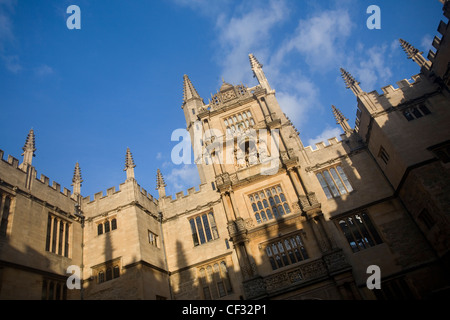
331,185
155,241
263,209
287,250
6,215
58,240
53,289
203,235
359,236
233,121
214,279
416,111
107,271
103,224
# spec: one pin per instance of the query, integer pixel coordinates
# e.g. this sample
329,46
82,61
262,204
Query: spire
189,91
258,72
413,53
29,149
129,165
160,184
77,180
350,82
341,120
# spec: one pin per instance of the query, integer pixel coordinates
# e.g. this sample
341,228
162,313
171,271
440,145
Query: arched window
107,226
116,272
286,208
263,216
260,205
258,218
277,199
283,198
101,277
266,205
113,224
254,207
108,274
269,214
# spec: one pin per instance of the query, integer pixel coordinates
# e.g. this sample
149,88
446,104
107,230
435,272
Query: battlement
44,180
330,142
113,191
191,191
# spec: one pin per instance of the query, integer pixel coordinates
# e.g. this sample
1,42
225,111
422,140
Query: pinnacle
348,78
77,174
30,142
254,62
409,49
338,115
159,180
129,163
189,91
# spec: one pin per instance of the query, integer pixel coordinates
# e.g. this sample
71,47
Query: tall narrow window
426,219
57,236
194,232
100,228
114,224
383,155
66,241
107,226
55,233
334,182
152,239
49,233
61,237
5,215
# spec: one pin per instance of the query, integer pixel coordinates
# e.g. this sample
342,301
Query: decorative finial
350,82
129,165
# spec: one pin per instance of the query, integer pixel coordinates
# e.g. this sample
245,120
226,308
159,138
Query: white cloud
370,66
328,133
43,70
320,39
7,37
244,33
182,178
426,43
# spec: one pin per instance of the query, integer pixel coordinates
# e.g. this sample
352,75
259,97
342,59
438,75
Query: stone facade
290,222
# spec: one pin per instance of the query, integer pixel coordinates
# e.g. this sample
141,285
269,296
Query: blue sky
117,83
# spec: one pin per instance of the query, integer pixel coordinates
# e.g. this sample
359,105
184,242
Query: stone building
272,218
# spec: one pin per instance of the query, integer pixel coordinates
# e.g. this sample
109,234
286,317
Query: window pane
269,214
207,229
408,115
338,181
258,218
324,186
263,216
283,198
330,183
108,274
201,234
280,210
344,178
49,227
260,205
371,228
424,109
266,205
113,224
194,232
286,208
116,272
212,222
277,199
107,226
55,230
417,113
66,241
254,207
